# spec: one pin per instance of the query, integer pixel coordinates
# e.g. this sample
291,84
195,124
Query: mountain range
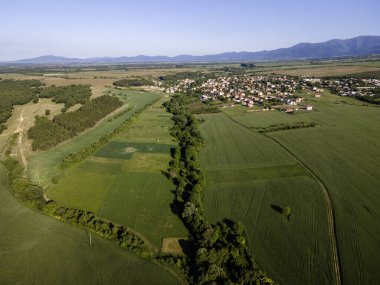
358,46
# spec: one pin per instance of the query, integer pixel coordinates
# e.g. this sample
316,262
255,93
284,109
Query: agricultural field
103,77
249,179
36,249
274,183
123,181
325,68
44,165
342,153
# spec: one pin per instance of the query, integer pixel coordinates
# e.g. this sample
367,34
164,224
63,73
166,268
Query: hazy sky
88,28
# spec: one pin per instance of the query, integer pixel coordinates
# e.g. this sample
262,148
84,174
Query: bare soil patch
172,246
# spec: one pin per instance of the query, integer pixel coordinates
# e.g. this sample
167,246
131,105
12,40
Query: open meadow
36,249
342,152
123,181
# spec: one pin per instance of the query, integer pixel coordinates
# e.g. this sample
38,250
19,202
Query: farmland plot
251,179
343,152
35,248
44,165
123,181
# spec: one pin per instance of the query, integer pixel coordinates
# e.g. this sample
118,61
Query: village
272,92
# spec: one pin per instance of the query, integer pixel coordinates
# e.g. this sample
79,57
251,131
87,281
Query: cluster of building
247,91
354,87
277,92
180,86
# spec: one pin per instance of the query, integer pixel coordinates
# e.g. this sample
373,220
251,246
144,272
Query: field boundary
326,195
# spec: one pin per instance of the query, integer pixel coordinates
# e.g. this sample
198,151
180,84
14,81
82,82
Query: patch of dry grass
171,246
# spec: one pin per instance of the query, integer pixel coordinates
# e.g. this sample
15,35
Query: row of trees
134,82
179,76
46,134
220,254
285,126
32,196
15,92
69,95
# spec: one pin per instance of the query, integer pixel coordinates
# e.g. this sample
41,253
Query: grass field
44,165
123,182
305,68
343,152
248,178
36,249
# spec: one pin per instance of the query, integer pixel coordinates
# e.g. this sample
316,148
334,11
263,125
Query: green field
342,151
43,165
36,249
248,176
126,150
123,181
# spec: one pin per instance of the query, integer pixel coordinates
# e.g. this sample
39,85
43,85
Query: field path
327,197
20,130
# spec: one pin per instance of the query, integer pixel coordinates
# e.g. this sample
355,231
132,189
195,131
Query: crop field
36,249
326,70
101,78
44,165
305,68
126,150
343,152
249,178
123,181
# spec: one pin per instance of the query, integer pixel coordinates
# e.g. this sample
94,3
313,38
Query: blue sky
88,28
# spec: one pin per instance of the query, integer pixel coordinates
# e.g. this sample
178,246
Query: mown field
43,165
248,179
342,150
123,181
36,249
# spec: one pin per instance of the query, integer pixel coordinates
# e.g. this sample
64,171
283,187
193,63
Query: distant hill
359,46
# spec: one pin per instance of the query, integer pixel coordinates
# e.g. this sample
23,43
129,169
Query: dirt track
20,130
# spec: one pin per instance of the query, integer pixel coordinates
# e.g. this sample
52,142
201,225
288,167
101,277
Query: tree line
133,82
15,92
33,196
220,252
179,76
47,134
285,126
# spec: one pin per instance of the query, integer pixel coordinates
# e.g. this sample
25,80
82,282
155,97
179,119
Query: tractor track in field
327,198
